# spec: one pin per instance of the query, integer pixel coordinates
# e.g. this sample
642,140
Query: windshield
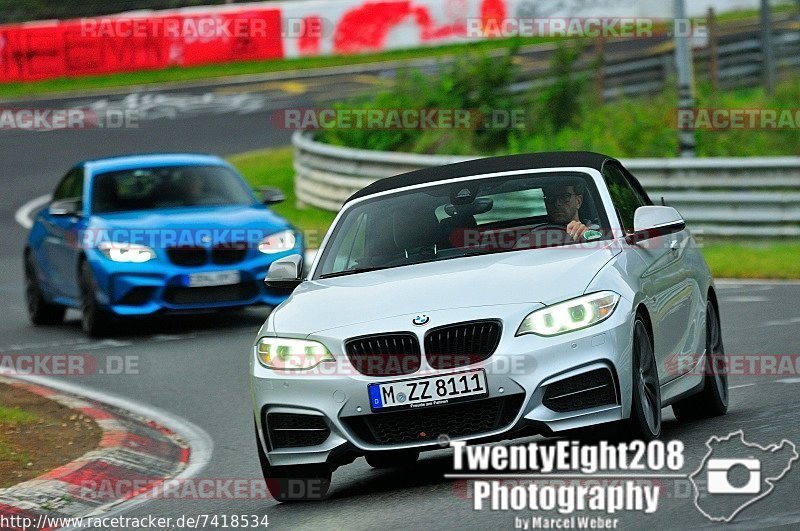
464,218
168,187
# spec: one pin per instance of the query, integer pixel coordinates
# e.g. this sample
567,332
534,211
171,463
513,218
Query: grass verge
38,435
780,261
273,167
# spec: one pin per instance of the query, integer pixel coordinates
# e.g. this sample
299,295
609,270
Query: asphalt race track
196,368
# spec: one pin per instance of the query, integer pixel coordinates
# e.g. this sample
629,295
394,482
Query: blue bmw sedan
143,235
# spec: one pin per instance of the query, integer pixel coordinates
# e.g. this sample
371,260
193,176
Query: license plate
430,391
217,278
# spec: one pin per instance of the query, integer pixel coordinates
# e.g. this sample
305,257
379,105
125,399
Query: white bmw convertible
480,301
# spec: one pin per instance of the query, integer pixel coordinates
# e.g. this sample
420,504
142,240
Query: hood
532,276
188,225
225,217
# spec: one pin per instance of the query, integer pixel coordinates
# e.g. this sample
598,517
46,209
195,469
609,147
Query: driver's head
563,202
195,185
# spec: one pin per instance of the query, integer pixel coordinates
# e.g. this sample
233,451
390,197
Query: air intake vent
461,344
391,354
289,430
592,389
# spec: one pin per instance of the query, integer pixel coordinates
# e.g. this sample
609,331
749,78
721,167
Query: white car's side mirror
285,273
653,221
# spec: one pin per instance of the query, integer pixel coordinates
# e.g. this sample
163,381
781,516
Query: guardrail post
767,48
600,67
685,66
713,51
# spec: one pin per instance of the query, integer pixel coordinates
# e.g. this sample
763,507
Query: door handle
674,245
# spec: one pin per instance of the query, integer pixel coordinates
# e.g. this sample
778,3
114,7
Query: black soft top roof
528,161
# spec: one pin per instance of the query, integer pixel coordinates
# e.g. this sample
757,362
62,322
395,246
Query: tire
392,459
295,483
95,321
712,400
40,311
645,420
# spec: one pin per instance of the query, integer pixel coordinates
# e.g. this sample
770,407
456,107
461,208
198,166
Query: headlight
278,242
291,354
570,315
126,252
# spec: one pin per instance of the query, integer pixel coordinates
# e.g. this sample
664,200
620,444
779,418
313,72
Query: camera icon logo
735,474
719,472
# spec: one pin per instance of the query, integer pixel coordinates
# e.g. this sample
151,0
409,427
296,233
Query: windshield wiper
351,272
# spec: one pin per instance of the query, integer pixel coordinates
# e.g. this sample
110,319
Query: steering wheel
549,226
525,241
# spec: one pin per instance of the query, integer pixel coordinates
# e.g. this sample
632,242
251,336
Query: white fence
719,197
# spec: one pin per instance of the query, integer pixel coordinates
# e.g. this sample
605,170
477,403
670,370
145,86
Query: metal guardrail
739,63
756,197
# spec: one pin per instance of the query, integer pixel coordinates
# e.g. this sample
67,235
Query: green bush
477,83
563,116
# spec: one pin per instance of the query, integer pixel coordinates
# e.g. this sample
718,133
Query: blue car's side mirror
65,207
272,196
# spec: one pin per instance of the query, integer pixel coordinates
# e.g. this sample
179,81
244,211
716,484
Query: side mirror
272,196
286,273
653,221
65,207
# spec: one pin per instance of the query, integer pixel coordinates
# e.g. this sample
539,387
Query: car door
664,281
60,248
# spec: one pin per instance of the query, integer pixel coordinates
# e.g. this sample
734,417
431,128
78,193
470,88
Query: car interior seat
416,231
105,197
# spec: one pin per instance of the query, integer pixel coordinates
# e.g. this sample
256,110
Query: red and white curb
132,448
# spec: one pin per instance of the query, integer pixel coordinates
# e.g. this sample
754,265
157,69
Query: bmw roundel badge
421,320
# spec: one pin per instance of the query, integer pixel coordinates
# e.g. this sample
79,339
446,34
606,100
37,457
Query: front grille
187,256
211,294
428,424
289,430
228,254
592,389
391,354
461,344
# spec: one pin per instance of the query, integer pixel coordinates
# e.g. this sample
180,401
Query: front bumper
131,290
519,374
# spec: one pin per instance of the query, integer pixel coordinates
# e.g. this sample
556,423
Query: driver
194,186
563,201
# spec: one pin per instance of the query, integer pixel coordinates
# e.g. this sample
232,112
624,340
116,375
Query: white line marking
200,442
744,299
731,282
739,386
23,214
783,322
789,380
